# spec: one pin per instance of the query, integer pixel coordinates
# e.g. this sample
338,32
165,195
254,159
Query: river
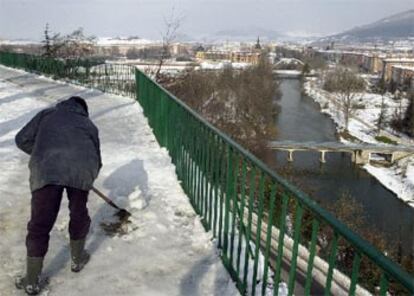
300,119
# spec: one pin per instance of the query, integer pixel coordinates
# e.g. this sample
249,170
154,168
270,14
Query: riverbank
399,178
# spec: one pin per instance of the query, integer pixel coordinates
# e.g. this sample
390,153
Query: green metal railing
228,186
113,78
267,230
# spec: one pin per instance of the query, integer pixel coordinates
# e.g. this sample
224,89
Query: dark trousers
45,208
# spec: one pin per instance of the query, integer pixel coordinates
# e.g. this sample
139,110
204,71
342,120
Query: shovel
122,213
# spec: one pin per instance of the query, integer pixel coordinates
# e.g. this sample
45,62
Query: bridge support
397,155
361,157
323,158
290,155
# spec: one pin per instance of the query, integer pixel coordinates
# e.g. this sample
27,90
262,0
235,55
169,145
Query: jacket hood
72,105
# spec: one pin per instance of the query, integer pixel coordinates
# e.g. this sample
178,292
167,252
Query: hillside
397,26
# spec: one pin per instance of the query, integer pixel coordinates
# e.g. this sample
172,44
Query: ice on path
166,253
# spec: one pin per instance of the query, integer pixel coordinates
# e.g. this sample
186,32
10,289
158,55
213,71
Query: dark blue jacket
63,144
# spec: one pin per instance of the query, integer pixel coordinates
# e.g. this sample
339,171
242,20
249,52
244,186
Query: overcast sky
27,18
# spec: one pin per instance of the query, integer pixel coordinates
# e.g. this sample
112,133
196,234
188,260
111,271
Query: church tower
258,46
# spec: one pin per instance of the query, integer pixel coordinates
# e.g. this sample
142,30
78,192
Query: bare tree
46,42
51,43
239,102
73,45
172,23
409,116
115,52
398,116
132,53
6,48
381,117
348,86
77,44
403,121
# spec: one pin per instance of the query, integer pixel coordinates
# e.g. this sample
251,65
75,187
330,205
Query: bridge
289,68
269,235
361,153
289,61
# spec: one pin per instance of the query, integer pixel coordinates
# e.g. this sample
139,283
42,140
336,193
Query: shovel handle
105,198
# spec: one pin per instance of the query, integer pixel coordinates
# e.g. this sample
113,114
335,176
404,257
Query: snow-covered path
165,250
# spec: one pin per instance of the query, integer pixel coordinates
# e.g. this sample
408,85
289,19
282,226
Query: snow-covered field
398,178
164,251
108,41
210,65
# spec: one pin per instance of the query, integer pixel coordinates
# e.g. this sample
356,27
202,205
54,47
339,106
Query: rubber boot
31,282
79,255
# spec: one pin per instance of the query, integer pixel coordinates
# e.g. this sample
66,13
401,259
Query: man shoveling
64,150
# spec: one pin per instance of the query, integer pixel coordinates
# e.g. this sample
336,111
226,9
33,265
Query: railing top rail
359,243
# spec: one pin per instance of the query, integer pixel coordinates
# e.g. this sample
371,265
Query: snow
164,250
391,178
288,61
399,178
213,66
207,65
18,42
292,73
411,68
399,60
240,65
107,41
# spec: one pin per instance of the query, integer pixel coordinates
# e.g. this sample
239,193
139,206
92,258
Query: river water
300,120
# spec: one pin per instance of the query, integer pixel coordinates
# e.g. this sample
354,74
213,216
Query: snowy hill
163,250
397,26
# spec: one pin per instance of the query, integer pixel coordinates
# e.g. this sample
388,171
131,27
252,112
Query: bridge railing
267,230
94,72
244,203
